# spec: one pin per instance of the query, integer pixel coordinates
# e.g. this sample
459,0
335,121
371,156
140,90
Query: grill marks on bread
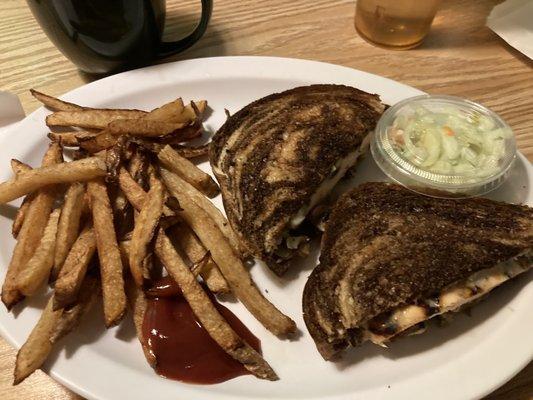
271,156
385,246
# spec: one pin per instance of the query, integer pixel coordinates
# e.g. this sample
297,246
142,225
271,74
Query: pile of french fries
130,207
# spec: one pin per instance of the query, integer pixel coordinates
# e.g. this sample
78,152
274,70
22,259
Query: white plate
465,360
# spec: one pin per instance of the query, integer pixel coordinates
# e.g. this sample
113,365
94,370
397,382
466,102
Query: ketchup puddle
183,349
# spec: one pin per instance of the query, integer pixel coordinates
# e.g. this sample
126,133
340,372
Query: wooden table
460,57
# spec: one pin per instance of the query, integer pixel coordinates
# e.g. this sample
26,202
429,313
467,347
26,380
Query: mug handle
169,48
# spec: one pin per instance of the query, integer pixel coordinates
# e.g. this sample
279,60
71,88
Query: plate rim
73,95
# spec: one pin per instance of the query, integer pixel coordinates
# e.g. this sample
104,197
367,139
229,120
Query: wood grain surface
461,57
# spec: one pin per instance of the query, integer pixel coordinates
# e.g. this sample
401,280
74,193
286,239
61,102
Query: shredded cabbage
449,141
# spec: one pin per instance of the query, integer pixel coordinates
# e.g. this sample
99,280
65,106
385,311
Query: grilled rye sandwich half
279,156
392,259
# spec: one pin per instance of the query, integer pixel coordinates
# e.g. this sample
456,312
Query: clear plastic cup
410,172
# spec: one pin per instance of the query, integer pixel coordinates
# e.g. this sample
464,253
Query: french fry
144,127
138,167
184,151
79,170
138,304
167,112
95,118
122,211
38,346
55,103
189,243
32,229
52,326
190,132
145,226
111,269
124,247
102,141
71,139
206,312
74,269
69,225
18,167
135,194
191,151
197,267
88,293
190,114
215,214
230,265
113,159
35,272
21,214
188,171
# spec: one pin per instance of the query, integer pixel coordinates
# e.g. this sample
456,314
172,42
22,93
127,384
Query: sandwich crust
385,246
272,155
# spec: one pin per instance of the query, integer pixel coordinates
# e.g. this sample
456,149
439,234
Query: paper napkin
513,22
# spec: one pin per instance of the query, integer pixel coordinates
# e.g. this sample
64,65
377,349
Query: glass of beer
395,24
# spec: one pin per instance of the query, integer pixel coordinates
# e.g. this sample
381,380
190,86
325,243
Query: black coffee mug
103,36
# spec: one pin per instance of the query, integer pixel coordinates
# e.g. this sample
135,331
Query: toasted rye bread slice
387,247
272,156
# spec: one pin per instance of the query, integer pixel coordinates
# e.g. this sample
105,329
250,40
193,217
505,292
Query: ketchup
183,349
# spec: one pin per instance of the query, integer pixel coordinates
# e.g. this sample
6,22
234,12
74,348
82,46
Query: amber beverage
395,24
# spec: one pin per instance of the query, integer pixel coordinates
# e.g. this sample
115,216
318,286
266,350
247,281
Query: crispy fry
71,316
197,267
55,103
144,127
33,274
157,144
34,351
124,247
190,114
69,225
21,214
205,311
18,167
74,269
167,112
111,269
122,211
51,326
188,242
215,214
80,170
32,229
190,132
188,171
145,226
230,265
138,304
192,151
102,141
113,159
71,139
138,167
96,118
135,194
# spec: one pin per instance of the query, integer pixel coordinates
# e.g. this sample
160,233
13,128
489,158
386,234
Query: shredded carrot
448,131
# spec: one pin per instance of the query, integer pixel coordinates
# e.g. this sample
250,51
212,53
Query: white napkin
513,22
11,111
